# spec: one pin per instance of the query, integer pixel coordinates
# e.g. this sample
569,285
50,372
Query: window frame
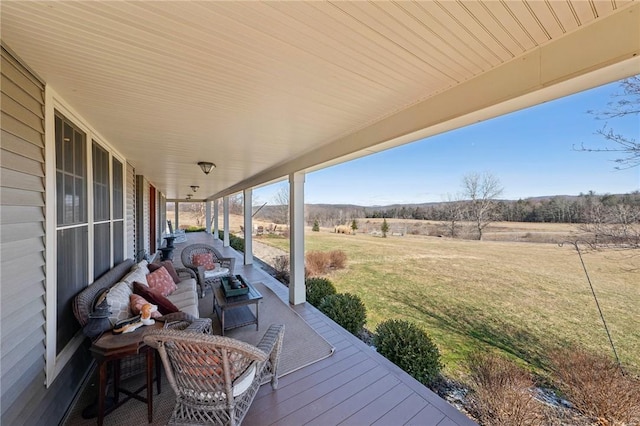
56,362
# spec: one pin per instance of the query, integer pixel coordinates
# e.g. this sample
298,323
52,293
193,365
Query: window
118,211
72,230
90,226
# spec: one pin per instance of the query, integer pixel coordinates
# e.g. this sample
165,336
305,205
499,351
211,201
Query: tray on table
230,291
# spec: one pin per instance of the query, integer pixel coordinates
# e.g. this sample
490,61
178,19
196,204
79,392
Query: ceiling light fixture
188,196
206,166
194,188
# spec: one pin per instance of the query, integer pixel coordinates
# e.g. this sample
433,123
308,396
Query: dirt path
266,253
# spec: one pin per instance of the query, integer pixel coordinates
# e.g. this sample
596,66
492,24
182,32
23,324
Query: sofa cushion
205,260
165,306
136,302
161,280
144,265
118,300
170,268
186,297
136,274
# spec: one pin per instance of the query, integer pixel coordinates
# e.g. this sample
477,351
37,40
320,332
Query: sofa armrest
186,273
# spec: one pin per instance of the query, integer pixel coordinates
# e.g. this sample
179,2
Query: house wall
142,214
162,218
130,211
25,398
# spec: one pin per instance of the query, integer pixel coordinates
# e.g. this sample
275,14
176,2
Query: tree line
555,209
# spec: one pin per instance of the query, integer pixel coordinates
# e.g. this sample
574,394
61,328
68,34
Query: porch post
207,216
215,219
176,209
248,227
225,212
297,288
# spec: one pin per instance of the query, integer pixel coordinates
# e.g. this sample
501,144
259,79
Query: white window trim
54,364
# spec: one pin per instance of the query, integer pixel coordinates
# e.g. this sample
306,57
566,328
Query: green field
520,298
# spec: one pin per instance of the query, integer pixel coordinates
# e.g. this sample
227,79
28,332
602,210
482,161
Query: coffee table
235,311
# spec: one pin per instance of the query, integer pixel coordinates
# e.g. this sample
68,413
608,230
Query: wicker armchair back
191,250
216,378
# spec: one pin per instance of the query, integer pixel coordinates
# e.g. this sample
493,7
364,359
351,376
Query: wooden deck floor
354,386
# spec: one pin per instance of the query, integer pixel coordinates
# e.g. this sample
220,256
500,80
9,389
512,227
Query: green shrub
316,226
317,288
236,243
410,348
194,228
345,309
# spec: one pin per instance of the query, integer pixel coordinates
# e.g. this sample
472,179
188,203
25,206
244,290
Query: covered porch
109,107
352,386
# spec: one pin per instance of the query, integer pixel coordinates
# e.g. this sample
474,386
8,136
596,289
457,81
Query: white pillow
136,275
143,264
118,300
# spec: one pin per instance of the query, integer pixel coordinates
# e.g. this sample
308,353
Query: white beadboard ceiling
267,88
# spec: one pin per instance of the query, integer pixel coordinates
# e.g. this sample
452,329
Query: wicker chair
216,378
187,260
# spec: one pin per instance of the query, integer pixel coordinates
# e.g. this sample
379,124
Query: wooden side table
234,311
115,347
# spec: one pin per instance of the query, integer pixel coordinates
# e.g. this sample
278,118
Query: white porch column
176,209
297,287
207,216
248,226
215,219
225,213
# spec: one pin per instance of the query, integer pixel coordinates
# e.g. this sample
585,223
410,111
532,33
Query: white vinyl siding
22,233
131,211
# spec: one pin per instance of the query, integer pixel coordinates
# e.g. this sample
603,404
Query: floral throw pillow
205,260
161,280
170,268
136,302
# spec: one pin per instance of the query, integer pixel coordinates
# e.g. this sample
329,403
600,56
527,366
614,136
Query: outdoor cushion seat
216,378
189,254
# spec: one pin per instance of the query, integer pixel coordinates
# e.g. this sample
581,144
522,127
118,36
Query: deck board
379,407
295,387
305,391
358,385
356,402
403,412
354,386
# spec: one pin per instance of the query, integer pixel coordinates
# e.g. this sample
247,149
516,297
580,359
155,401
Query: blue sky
532,152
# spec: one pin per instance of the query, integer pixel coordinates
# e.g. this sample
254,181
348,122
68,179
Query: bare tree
612,225
625,104
236,203
196,209
281,204
482,191
453,212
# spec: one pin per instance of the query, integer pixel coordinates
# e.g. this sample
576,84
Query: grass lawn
520,298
